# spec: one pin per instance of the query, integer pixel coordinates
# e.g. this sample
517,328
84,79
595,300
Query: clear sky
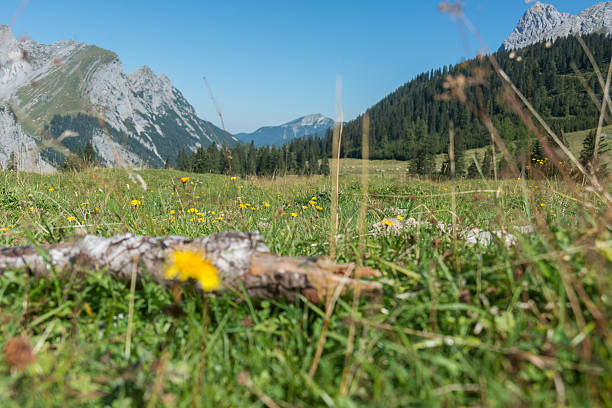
269,61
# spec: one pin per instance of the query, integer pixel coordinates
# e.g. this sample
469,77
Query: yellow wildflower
51,189
293,215
232,178
135,203
192,210
172,212
319,208
172,218
71,218
184,179
399,217
4,229
189,264
266,204
387,222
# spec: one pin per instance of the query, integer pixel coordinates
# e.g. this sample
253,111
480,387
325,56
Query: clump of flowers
187,264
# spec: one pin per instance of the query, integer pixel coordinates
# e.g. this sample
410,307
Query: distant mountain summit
137,118
543,22
310,125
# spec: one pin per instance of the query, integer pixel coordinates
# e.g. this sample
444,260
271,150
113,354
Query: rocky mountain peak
544,22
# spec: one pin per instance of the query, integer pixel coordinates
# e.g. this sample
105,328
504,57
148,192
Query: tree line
304,156
413,123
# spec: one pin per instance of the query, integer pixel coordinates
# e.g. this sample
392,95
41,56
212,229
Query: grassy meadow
457,325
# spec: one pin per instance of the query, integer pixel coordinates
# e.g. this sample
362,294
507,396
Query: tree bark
241,259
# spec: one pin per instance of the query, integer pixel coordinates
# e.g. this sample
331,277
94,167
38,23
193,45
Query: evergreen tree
588,149
473,169
487,164
13,163
88,155
324,169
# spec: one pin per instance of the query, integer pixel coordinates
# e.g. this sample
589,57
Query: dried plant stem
128,335
589,54
335,171
329,309
365,156
601,117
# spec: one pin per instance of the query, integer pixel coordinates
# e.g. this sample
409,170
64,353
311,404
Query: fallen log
241,260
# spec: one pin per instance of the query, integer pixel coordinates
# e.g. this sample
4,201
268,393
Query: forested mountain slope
413,121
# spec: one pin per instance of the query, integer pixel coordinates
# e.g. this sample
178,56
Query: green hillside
62,92
414,121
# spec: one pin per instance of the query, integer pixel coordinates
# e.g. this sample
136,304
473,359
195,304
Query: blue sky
269,61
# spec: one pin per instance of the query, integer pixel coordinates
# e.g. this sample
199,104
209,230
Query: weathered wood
241,259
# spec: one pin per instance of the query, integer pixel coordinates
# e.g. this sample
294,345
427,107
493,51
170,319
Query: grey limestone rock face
147,118
544,22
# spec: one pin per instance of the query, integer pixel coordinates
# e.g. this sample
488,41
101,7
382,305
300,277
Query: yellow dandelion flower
83,204
4,229
387,222
188,264
172,212
232,178
51,189
319,208
293,215
399,217
192,210
135,203
304,207
266,204
314,198
542,205
184,179
200,219
212,212
242,206
71,218
172,218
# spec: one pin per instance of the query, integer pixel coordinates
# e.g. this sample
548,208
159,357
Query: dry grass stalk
361,247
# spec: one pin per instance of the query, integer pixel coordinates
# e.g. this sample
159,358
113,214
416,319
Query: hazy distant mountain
310,125
543,22
47,89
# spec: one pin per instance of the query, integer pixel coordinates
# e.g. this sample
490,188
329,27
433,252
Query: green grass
481,326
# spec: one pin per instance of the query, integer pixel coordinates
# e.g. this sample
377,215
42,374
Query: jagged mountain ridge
310,125
47,86
543,22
